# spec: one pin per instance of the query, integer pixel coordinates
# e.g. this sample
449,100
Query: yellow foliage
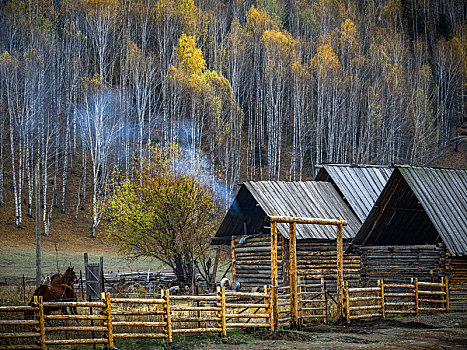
165,210
301,71
37,14
95,82
325,61
349,33
280,42
280,48
133,51
188,56
258,20
5,58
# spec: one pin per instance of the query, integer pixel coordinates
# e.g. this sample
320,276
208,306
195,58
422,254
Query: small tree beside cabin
165,211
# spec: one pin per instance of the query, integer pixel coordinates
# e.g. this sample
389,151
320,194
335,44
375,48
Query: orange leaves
325,62
189,57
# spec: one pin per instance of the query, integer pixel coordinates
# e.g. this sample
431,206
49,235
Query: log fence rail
101,322
392,298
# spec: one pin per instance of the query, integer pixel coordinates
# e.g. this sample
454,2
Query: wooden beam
105,297
303,220
168,320
347,301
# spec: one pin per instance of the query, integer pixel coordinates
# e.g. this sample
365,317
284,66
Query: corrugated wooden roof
443,195
360,185
256,201
420,206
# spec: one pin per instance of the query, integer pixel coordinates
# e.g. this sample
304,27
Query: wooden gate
94,278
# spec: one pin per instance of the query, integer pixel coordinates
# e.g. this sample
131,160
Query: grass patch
16,263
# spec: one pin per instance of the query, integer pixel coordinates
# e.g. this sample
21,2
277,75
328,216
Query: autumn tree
99,125
165,212
210,118
279,55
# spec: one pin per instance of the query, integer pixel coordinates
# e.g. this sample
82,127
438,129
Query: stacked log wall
317,259
253,261
458,283
398,264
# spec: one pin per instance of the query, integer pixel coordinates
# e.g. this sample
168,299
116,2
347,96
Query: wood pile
151,280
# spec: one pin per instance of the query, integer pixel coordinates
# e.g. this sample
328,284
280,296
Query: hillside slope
70,237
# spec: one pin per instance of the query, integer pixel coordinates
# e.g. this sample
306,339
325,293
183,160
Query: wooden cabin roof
359,185
257,201
419,206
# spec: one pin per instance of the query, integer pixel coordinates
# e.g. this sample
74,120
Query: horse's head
71,275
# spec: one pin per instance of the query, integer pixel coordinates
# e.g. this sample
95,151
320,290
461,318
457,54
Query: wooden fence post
234,261
271,311
167,315
347,301
447,293
340,271
416,296
299,303
325,297
224,326
383,311
105,298
293,274
266,302
39,315
274,272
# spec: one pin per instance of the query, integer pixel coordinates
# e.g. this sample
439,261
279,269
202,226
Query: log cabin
417,228
246,227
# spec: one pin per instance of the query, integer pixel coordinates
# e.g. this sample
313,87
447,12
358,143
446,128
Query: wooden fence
391,298
104,321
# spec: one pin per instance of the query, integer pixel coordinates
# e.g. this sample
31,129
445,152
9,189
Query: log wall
252,263
458,283
398,264
317,259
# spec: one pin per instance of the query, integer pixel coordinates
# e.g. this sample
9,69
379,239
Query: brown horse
61,289
61,292
68,278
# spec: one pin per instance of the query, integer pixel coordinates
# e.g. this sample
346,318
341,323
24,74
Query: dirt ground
435,331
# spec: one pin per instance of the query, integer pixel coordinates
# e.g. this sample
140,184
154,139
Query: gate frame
293,281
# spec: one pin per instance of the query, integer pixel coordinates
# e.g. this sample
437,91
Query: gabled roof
360,185
420,206
257,201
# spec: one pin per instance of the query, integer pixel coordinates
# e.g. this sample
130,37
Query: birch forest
264,90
